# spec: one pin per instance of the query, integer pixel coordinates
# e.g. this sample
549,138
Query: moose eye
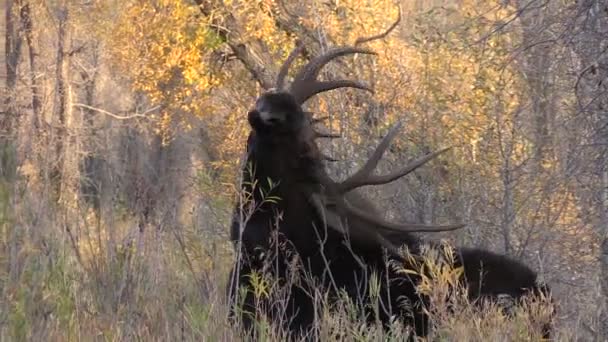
274,121
253,115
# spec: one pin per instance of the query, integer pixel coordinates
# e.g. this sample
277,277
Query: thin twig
364,40
116,116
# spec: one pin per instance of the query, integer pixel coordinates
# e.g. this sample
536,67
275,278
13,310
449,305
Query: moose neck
283,205
280,166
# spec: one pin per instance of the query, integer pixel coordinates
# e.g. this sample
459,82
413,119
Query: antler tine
307,89
364,175
339,202
377,180
400,227
305,83
334,221
285,67
312,69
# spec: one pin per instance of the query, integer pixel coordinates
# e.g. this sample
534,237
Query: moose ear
250,140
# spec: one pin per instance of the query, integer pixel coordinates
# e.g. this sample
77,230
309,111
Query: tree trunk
8,115
3,53
604,253
254,65
92,164
12,45
592,91
537,69
28,30
12,48
60,106
505,145
508,214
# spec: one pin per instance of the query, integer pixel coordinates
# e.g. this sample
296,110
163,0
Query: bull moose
319,239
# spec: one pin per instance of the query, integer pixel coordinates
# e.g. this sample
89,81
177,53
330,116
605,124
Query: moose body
314,237
288,238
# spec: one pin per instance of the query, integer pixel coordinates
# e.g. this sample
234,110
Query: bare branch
327,135
116,116
257,70
382,35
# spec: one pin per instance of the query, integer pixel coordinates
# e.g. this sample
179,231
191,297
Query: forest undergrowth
74,275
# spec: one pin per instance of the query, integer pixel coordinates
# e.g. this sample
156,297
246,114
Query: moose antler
354,232
336,191
285,67
306,84
364,175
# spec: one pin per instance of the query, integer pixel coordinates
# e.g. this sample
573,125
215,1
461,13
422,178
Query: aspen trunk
604,253
12,53
591,48
3,42
60,102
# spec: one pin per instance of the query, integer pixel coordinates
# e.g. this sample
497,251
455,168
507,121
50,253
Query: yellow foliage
442,68
162,46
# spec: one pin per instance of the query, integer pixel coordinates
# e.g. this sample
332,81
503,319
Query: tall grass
81,275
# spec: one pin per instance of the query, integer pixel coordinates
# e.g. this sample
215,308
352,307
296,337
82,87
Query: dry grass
90,278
